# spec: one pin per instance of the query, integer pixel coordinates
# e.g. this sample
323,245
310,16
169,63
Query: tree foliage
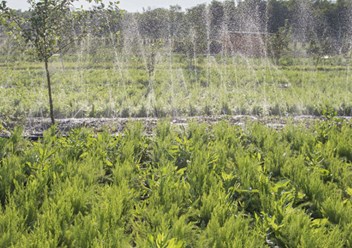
50,27
326,23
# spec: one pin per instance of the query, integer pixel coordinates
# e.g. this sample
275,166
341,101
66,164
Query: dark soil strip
33,128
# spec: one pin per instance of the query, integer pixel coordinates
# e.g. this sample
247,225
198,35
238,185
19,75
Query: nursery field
196,186
226,124
106,86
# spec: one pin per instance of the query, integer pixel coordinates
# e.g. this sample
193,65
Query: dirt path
34,127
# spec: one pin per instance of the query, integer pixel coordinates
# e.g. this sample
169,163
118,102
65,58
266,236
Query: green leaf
280,185
349,191
227,177
320,222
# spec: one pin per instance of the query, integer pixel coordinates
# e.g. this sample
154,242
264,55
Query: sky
129,5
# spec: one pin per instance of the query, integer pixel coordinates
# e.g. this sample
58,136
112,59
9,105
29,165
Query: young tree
50,28
279,42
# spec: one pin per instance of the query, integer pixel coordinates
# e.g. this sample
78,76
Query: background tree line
295,27
313,27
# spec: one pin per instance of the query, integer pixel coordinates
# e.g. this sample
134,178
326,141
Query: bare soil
33,128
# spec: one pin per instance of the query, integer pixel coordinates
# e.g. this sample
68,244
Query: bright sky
129,5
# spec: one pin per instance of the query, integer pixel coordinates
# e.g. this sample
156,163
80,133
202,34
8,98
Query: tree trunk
49,92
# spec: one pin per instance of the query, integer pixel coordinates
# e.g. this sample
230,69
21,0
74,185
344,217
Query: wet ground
33,128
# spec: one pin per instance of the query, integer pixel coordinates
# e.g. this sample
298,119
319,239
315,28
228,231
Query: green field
223,125
194,186
190,185
103,85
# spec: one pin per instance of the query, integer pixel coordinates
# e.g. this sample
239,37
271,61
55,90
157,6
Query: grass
203,186
93,86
